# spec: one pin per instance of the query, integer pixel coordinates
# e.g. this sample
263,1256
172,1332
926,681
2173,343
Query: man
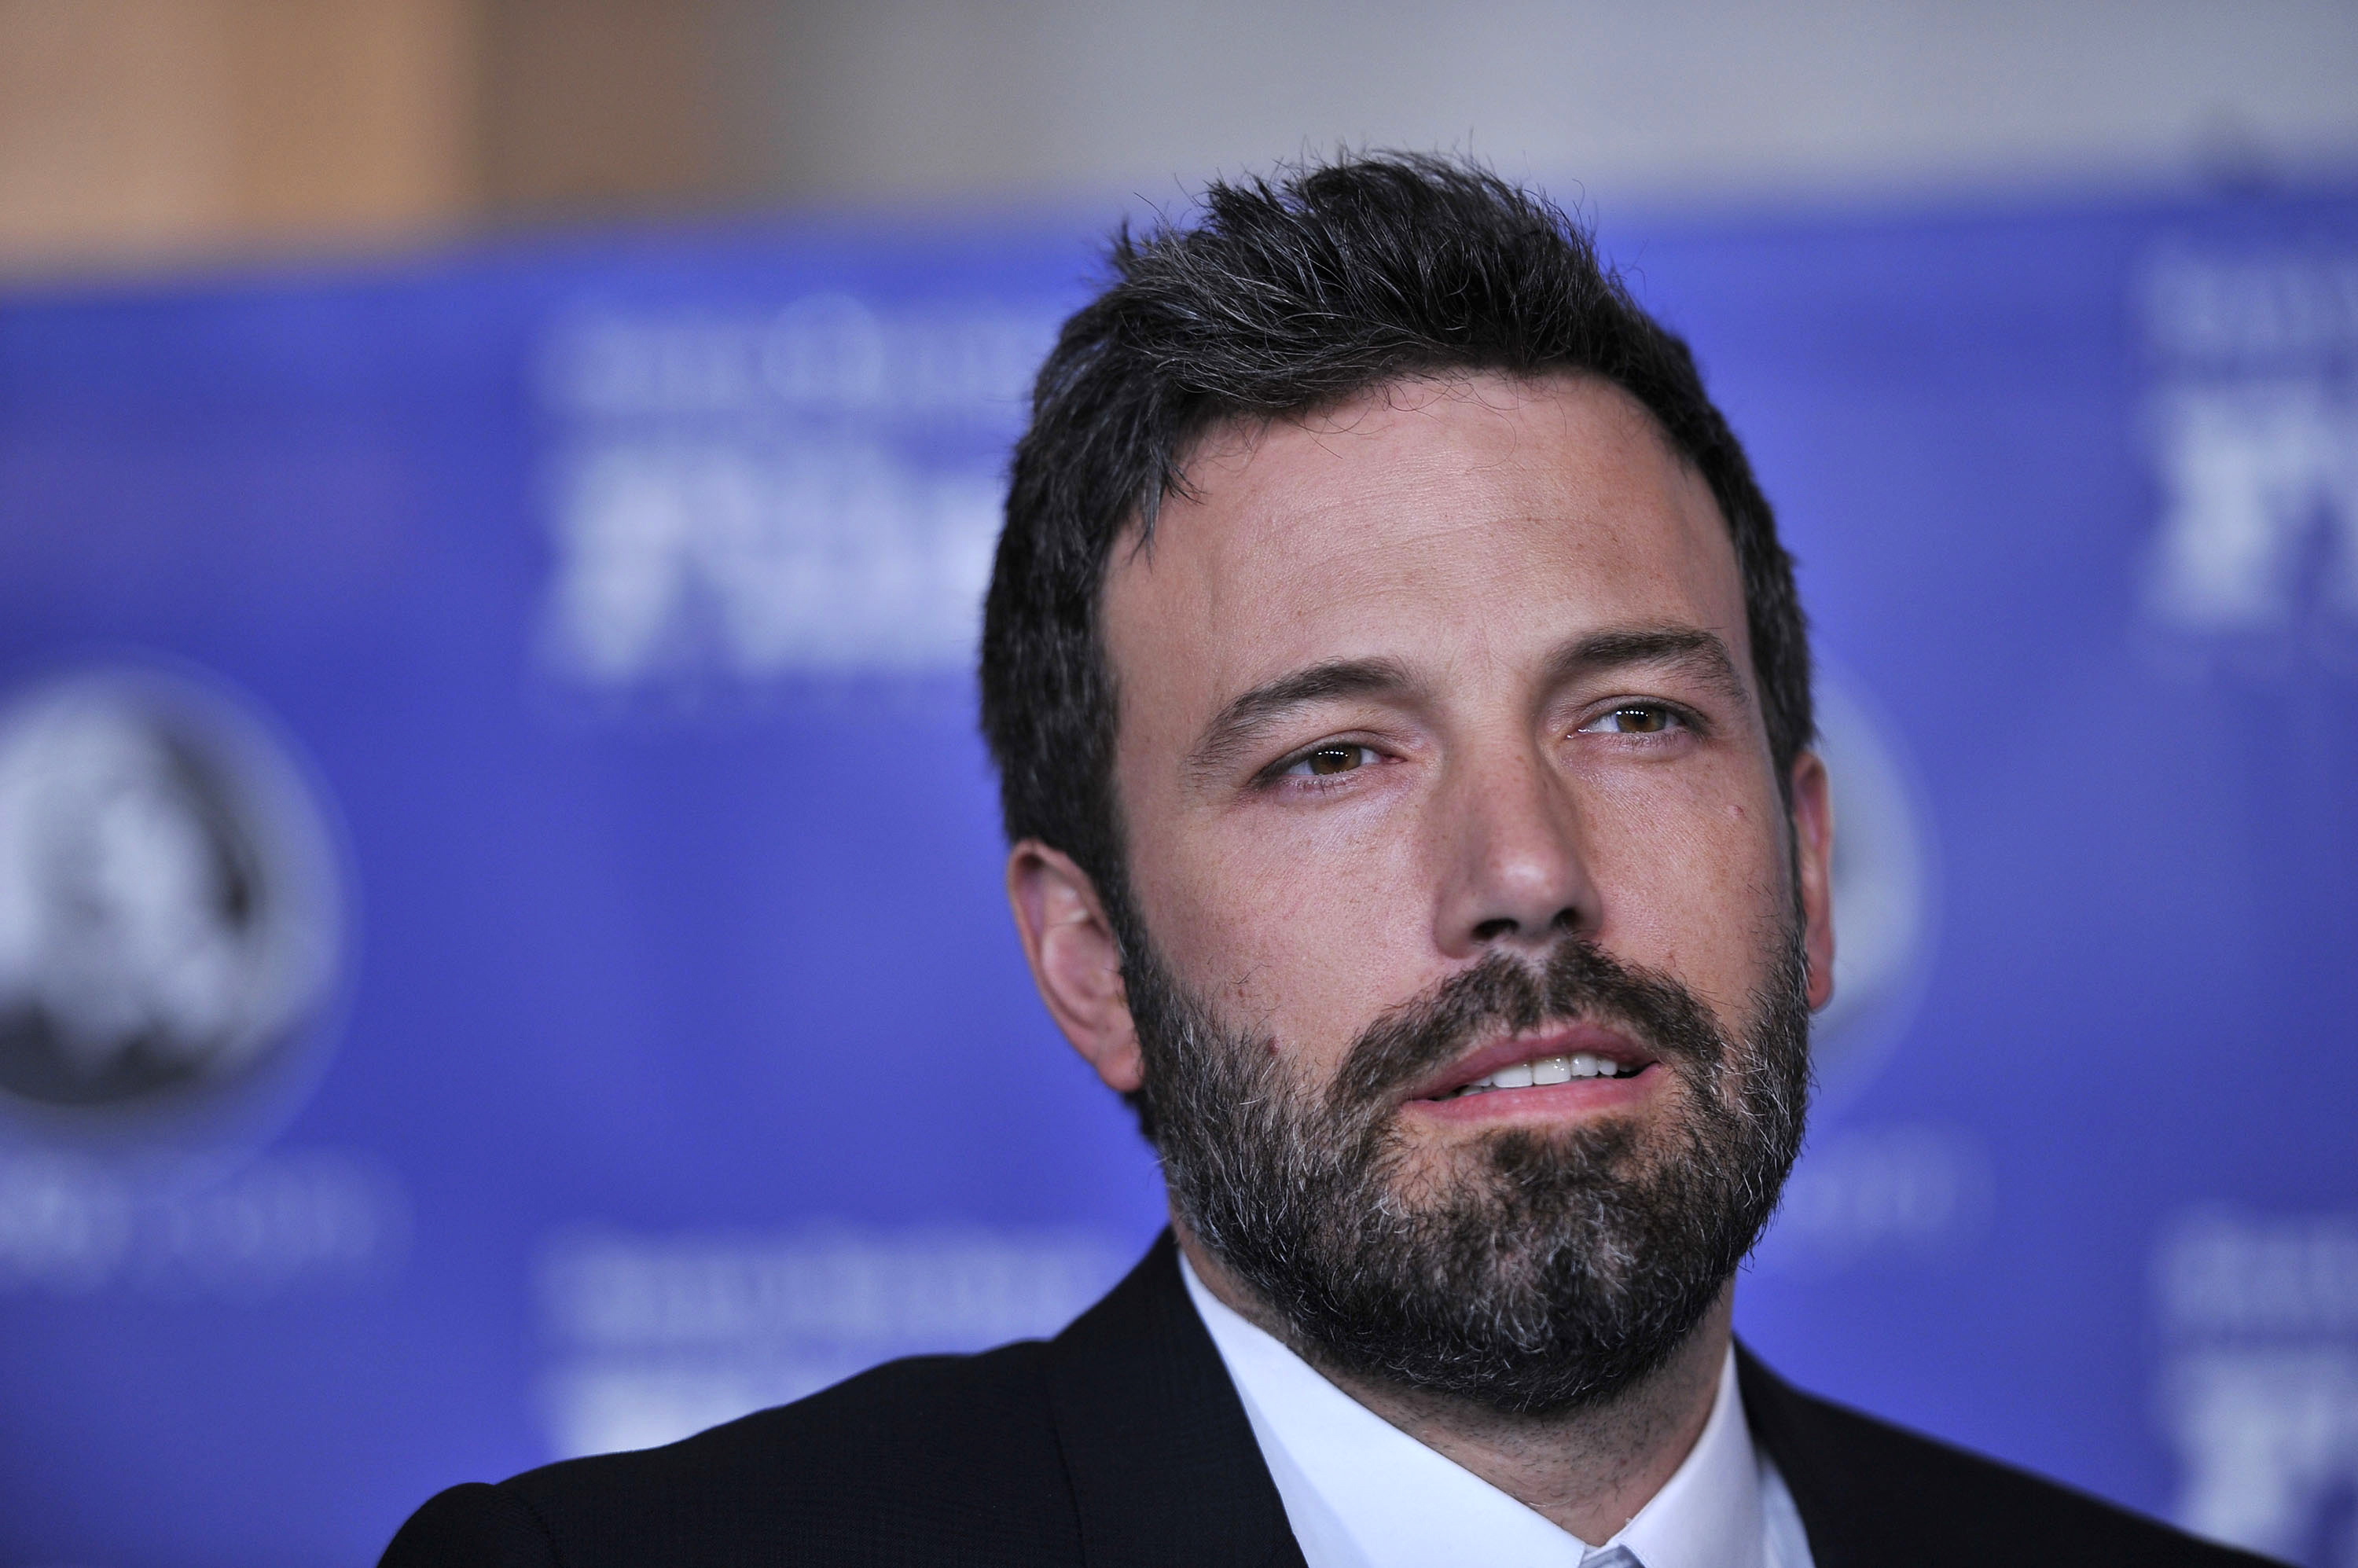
1403,710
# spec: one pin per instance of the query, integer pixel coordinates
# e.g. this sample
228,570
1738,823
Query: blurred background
501,953
140,133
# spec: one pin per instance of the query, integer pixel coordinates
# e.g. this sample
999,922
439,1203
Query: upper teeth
1543,1071
1546,1070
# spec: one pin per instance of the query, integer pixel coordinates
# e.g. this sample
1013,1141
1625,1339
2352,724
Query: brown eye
1328,761
1638,718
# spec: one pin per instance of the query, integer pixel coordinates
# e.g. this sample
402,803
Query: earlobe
1813,854
1074,960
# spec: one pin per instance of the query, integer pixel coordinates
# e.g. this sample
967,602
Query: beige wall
131,129
147,132
1692,100
139,132
594,106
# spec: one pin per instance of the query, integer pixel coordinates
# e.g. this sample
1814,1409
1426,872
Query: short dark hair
1285,296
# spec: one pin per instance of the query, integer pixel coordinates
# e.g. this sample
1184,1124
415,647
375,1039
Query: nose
1514,876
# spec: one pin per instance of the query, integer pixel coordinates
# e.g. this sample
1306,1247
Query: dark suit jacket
1122,1442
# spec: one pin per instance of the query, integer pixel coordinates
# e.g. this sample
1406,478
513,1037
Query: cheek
1307,930
1689,881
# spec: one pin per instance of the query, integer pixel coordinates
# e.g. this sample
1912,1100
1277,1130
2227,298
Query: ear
1813,857
1074,960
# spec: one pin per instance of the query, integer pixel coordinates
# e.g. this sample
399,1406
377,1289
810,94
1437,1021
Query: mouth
1580,1055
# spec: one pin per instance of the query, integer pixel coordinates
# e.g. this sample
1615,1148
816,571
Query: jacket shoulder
932,1459
1870,1492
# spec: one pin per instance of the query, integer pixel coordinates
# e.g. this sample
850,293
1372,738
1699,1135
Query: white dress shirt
1360,1493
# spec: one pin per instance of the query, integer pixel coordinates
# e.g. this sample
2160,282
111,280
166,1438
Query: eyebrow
1700,653
1232,730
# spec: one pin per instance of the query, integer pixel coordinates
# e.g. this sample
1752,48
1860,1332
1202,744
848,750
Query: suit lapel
1825,1493
1164,1469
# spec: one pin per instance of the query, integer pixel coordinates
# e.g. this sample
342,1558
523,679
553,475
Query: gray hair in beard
1558,1272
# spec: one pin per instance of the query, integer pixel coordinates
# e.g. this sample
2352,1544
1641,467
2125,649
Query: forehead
1485,516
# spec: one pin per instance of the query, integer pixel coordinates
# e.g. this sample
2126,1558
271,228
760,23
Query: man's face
1456,837
1452,669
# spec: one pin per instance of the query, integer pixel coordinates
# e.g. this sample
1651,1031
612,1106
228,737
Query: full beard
1545,1272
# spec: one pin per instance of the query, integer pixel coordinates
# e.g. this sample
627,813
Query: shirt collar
1360,1493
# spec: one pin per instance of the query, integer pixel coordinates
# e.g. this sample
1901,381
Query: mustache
1579,982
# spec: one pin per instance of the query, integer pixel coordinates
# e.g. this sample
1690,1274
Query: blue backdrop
501,949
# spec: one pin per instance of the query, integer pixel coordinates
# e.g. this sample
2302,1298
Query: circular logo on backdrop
1882,887
170,922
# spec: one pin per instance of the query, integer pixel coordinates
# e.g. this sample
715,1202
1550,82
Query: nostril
1491,930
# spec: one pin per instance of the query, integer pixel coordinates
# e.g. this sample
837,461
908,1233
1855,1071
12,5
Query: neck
1588,1471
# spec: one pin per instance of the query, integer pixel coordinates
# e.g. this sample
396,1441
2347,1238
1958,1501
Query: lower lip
1580,1097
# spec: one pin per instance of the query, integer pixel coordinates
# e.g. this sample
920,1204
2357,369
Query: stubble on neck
1587,1470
